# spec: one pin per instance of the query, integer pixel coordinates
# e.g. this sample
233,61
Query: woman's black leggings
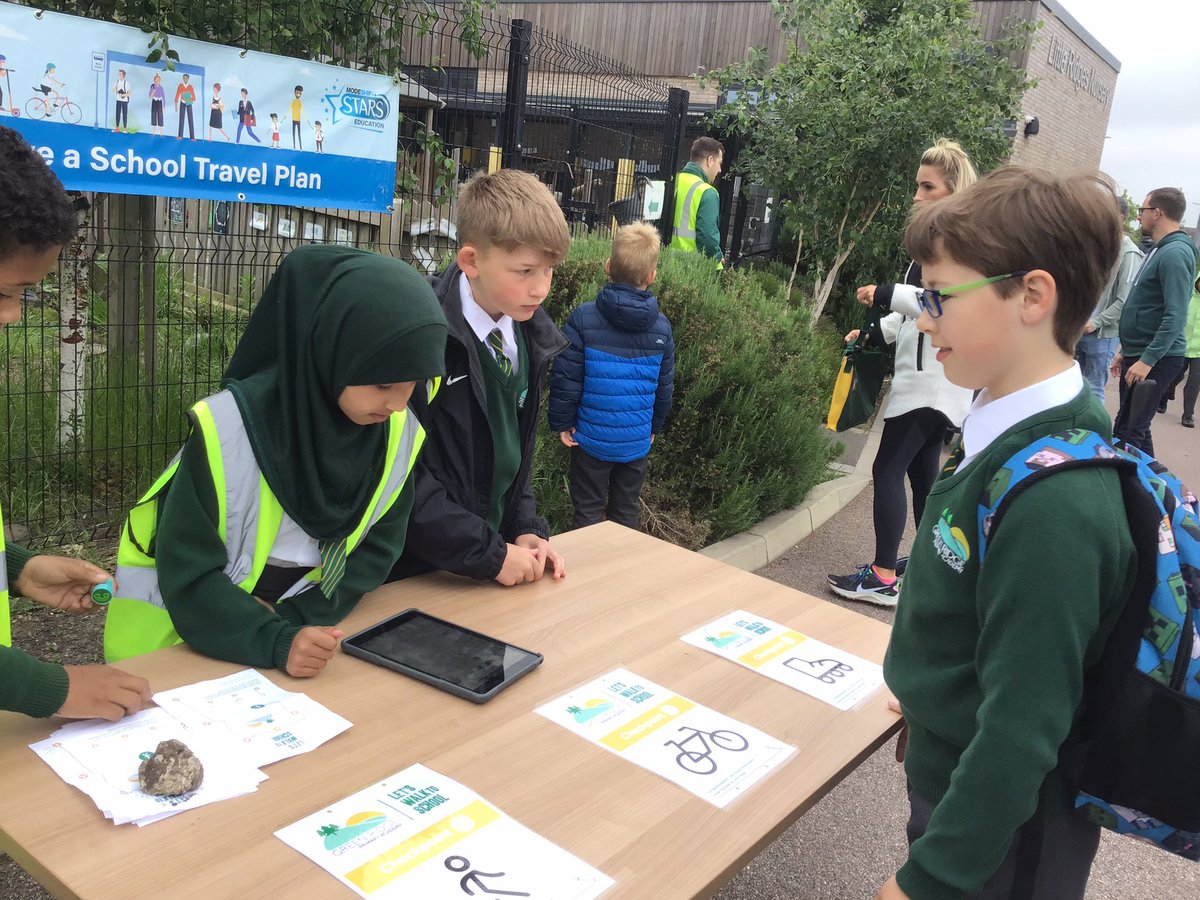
912,444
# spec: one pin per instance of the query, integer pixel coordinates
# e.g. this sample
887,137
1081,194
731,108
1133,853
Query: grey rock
172,770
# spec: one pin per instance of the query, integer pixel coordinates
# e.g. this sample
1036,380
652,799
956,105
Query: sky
1154,127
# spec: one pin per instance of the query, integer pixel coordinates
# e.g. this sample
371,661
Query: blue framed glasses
930,299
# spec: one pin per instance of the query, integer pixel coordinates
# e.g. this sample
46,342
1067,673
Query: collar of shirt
988,418
482,324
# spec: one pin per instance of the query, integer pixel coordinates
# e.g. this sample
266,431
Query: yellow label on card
760,656
437,838
646,724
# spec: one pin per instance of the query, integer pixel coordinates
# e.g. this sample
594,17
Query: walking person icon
462,864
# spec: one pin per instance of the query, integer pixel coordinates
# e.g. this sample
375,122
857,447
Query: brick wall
1072,106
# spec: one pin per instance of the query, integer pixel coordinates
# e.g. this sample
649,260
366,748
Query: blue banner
223,125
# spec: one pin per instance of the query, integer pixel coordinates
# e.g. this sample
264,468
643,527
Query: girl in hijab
291,497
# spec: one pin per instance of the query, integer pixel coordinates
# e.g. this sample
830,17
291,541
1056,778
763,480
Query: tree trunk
74,296
795,264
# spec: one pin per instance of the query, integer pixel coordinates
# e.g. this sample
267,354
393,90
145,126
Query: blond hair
634,256
949,158
1012,221
511,209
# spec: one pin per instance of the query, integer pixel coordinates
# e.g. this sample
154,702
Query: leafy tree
838,127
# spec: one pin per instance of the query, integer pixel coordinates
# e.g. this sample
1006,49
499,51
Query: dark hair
35,212
1170,202
704,147
298,87
1022,218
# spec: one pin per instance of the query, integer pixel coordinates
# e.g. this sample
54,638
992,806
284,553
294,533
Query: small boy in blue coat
610,391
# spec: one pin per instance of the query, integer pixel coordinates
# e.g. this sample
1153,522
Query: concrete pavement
853,840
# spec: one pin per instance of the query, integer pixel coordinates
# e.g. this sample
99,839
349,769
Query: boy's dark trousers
1050,858
596,484
1133,426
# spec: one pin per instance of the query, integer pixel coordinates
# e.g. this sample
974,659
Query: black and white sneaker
863,584
901,566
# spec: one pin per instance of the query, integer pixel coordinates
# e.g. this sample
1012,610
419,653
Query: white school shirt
482,324
988,418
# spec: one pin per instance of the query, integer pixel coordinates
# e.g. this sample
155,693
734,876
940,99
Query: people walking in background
610,390
216,112
121,89
1152,322
1098,345
922,404
185,98
158,99
1191,369
697,204
246,119
297,117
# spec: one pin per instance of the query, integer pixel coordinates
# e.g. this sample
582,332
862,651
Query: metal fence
147,305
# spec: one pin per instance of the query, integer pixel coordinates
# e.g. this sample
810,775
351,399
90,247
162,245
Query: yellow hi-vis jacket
689,190
5,618
249,516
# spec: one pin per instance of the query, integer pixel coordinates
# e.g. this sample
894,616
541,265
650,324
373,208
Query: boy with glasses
1153,346
987,657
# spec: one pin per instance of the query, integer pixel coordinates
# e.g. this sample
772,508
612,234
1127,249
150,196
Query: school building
1065,116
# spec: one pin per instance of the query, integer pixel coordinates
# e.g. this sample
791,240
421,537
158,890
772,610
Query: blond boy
474,512
611,388
987,657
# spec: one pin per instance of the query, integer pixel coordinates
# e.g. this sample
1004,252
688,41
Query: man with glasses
1151,330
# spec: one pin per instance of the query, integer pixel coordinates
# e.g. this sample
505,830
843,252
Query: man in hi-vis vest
697,205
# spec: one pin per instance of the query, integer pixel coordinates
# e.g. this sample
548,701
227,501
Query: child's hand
102,692
852,335
891,891
567,439
60,582
1114,368
866,295
311,650
521,565
547,555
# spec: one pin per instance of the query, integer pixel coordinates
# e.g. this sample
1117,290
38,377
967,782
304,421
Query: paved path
853,840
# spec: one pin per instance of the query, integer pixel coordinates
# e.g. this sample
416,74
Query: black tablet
456,659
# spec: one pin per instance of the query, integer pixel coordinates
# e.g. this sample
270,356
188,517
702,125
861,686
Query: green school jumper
988,663
505,395
28,685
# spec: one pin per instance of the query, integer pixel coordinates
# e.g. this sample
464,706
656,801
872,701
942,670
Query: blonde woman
922,404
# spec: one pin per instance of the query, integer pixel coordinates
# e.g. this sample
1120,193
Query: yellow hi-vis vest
5,619
248,517
689,189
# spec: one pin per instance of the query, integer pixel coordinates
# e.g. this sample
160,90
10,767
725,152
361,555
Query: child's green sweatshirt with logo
988,661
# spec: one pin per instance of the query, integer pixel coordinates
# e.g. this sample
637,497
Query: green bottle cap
102,593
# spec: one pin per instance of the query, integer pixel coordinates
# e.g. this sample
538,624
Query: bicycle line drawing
41,106
701,762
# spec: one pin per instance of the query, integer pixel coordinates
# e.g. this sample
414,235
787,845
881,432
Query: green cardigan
28,685
988,660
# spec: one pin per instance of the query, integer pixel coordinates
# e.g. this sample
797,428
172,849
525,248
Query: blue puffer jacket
613,384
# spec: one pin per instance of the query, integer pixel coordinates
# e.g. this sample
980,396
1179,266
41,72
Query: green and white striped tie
333,565
495,340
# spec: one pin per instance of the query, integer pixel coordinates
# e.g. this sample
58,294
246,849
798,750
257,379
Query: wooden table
626,600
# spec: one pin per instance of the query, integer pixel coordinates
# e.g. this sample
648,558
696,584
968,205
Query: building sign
224,125
1069,62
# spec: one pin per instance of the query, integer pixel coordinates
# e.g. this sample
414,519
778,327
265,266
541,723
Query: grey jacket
1107,315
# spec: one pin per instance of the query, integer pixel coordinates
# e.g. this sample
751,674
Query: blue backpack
1134,755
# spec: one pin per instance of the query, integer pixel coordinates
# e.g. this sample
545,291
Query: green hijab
331,317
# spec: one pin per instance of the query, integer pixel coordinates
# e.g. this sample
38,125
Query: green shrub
745,437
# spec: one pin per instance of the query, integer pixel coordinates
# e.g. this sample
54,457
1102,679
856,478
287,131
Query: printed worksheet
102,758
420,834
248,711
713,756
838,678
